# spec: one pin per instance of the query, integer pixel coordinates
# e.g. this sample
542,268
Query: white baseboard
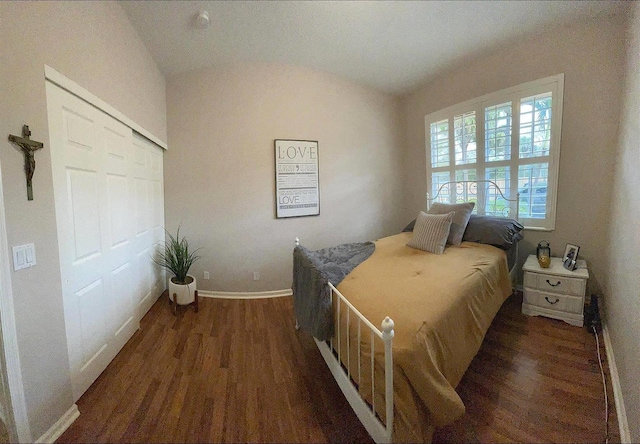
245,294
625,435
60,426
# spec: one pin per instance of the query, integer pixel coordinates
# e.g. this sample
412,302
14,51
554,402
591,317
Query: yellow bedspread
442,306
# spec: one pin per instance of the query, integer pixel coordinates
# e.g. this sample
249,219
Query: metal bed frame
449,192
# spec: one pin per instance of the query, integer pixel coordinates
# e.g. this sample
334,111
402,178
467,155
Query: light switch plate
24,256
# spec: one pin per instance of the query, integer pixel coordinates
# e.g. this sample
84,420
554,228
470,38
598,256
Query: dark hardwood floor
534,380
238,371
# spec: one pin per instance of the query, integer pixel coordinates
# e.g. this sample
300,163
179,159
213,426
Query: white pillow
431,232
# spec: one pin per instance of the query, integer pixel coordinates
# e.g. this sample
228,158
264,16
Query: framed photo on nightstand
570,257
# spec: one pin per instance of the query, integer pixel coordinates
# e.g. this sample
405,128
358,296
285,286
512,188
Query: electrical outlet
206,275
256,275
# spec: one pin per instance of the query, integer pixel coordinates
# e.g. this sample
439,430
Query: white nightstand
555,292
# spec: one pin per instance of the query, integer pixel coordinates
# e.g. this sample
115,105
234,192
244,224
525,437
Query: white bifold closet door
110,216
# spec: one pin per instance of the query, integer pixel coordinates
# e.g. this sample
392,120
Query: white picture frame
297,178
570,256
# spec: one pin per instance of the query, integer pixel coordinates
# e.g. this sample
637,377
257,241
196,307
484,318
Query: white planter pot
185,294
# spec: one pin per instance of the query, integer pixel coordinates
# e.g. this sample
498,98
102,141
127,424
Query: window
511,137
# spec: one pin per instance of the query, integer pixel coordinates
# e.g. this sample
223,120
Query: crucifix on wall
28,147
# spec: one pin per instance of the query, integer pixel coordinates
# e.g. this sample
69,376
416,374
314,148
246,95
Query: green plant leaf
174,255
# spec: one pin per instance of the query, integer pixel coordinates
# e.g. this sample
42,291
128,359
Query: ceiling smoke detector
202,19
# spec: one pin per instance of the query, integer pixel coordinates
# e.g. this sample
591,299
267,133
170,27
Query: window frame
553,84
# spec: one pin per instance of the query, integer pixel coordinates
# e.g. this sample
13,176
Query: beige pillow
460,218
431,231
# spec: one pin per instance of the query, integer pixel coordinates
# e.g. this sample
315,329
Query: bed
433,310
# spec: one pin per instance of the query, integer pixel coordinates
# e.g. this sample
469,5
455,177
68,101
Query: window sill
538,229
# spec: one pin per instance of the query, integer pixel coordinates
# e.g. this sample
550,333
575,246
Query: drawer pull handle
554,285
546,298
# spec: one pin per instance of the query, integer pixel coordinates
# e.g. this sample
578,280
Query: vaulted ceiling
393,46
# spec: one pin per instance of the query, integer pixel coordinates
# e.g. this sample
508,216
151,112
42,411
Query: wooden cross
28,147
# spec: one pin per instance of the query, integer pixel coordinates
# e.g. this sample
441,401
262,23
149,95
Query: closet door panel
149,215
106,209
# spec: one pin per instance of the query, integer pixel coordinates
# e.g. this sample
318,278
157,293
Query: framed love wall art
297,178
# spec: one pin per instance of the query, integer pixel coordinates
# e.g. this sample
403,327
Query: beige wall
591,56
93,44
219,170
219,173
622,298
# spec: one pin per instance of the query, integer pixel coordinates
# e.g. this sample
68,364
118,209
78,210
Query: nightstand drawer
554,301
560,284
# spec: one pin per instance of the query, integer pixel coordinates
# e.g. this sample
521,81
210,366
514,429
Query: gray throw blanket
312,270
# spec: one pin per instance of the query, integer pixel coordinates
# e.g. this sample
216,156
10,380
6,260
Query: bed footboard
366,412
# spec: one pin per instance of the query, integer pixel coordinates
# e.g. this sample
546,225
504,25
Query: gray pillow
460,218
430,232
500,232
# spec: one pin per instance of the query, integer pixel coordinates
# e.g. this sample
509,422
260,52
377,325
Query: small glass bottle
544,260
543,252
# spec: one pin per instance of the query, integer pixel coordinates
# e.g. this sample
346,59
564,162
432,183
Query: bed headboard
490,199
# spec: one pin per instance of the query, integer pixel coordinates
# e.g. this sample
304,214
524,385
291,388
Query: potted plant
176,257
